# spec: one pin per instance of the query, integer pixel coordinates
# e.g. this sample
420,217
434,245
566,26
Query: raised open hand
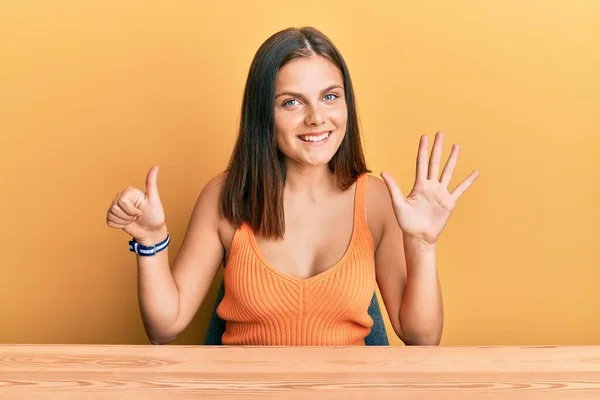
424,213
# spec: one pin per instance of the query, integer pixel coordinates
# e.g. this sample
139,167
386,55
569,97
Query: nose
314,116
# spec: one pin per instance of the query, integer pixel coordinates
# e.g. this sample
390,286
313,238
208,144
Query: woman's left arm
408,281
421,313
406,255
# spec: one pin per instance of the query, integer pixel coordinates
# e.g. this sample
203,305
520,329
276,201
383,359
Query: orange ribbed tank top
263,306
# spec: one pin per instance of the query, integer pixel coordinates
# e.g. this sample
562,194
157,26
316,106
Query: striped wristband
148,251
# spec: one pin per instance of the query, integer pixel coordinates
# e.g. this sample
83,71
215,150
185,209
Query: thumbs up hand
139,214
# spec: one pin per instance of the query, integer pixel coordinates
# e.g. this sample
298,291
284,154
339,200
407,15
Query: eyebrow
294,94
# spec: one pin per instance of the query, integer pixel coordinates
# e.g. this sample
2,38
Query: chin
320,164
301,160
316,161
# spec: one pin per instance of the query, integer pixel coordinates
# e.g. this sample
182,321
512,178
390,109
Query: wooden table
206,372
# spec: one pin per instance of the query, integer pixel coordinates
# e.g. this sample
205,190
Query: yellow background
93,93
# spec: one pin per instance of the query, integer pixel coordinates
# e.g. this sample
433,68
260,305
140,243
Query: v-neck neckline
337,265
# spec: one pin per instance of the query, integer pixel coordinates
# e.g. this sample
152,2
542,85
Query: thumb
394,189
151,185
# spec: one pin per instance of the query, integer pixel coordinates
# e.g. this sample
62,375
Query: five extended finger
422,158
464,185
393,188
436,156
449,167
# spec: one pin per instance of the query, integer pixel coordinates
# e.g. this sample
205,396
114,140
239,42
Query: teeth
315,138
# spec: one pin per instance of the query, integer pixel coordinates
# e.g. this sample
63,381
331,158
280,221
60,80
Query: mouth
316,137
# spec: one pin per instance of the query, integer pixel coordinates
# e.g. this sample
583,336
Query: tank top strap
361,227
360,199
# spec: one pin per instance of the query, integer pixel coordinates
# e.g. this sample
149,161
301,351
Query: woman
304,232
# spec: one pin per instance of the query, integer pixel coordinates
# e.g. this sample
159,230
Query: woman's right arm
169,296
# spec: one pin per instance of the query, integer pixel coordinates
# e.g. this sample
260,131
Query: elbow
419,333
154,339
160,341
418,338
163,333
421,339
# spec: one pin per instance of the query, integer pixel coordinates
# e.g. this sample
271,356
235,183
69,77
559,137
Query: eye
331,96
288,103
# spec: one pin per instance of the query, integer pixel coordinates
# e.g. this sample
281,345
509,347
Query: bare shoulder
212,189
206,209
210,196
208,200
377,188
379,206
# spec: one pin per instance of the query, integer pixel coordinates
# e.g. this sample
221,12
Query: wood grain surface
221,372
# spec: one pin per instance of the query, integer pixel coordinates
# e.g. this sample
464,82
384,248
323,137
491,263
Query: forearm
421,312
157,294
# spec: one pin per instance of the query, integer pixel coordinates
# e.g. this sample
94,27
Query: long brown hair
253,188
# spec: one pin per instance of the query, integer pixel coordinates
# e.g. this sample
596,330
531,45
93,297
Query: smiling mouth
315,138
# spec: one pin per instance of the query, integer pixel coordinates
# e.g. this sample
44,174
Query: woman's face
310,110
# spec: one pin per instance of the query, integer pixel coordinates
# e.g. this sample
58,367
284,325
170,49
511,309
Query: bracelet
148,251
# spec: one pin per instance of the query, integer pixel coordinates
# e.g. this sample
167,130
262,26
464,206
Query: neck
315,182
